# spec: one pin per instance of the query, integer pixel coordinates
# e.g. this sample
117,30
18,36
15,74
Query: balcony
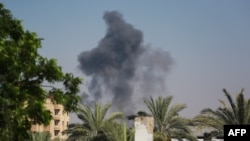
56,117
57,106
57,127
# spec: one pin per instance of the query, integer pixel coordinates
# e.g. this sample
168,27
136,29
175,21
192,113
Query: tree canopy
168,123
95,123
235,112
23,72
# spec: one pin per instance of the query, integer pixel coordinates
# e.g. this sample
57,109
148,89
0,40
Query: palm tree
130,134
168,122
94,122
235,113
119,132
116,132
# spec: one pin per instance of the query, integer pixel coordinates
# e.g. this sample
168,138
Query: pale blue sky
208,40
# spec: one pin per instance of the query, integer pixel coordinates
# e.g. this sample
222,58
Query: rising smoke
123,71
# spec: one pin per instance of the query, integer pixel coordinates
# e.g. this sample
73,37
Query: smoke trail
115,65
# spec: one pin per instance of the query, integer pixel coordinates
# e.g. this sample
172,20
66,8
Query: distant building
58,124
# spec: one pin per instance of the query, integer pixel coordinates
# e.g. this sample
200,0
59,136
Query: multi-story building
58,124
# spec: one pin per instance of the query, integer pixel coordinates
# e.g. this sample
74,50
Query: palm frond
247,109
116,132
235,113
167,119
174,111
232,103
227,115
240,101
103,110
114,116
93,122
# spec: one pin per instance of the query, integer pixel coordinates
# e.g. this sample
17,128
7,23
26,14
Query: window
56,122
56,132
57,111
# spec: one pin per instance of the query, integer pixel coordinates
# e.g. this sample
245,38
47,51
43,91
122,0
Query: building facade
58,124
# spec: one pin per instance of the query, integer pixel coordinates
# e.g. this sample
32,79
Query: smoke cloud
123,71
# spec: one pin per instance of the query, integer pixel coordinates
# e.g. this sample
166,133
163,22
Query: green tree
168,123
237,112
23,71
94,123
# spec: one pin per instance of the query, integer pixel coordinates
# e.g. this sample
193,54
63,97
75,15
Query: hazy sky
209,41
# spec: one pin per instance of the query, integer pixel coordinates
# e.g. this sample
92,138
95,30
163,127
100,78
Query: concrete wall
144,126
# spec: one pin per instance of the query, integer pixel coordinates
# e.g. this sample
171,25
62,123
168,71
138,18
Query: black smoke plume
123,71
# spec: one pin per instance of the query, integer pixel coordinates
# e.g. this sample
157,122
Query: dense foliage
23,71
237,112
168,123
94,123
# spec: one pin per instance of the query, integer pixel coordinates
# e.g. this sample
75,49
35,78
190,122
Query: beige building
58,124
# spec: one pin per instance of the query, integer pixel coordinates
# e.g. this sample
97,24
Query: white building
144,126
